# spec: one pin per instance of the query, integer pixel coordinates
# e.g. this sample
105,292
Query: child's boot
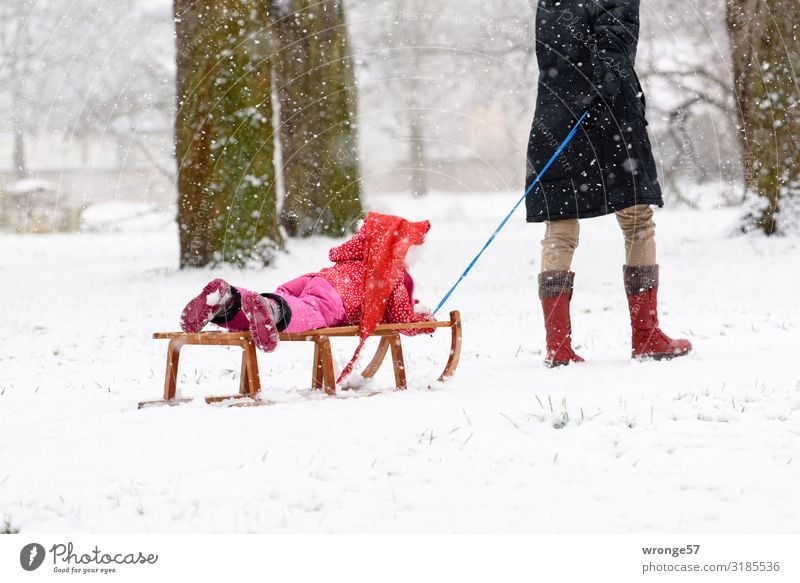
555,291
261,314
215,299
647,339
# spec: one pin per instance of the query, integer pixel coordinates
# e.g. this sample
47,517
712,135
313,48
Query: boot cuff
230,310
555,283
285,317
640,279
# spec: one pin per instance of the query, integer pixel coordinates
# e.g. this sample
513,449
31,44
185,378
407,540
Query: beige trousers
561,239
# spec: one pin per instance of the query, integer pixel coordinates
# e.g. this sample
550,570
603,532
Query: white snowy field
708,443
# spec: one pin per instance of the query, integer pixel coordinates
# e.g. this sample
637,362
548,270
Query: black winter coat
586,51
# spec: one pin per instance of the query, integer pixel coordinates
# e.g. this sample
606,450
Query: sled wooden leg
455,346
171,377
398,362
316,368
322,376
250,364
244,376
326,357
377,360
249,383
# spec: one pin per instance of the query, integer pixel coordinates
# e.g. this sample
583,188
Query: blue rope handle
563,145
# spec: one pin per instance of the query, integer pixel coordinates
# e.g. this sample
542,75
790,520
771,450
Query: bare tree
86,70
22,46
431,69
133,94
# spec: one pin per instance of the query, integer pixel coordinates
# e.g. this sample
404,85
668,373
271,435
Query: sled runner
322,374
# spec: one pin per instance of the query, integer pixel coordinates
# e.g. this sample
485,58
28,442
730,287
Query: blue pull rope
563,145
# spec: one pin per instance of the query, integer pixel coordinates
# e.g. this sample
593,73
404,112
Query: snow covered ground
709,443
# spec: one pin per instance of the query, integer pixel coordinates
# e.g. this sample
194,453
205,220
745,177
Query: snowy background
707,443
92,96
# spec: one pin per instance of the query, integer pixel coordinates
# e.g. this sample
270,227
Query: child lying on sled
368,285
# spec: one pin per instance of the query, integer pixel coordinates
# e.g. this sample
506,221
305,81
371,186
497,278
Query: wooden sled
322,374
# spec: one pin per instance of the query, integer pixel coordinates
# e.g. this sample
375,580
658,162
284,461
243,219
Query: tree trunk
317,95
20,167
416,149
224,134
765,44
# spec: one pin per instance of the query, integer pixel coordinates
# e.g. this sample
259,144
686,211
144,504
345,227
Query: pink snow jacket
347,277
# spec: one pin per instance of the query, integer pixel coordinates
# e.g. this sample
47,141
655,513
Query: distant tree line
265,115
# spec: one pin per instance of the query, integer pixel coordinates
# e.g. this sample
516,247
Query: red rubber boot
555,292
263,329
648,341
209,303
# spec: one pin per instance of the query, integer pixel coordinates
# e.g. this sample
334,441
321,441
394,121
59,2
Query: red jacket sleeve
350,250
400,307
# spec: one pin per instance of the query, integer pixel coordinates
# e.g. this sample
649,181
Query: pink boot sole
201,309
262,327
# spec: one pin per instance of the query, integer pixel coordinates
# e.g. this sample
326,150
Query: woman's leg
640,274
639,231
555,289
559,244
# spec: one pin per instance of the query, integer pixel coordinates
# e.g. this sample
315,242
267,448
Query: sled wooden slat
382,330
220,337
322,371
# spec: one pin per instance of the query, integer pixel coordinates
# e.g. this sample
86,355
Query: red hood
384,245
